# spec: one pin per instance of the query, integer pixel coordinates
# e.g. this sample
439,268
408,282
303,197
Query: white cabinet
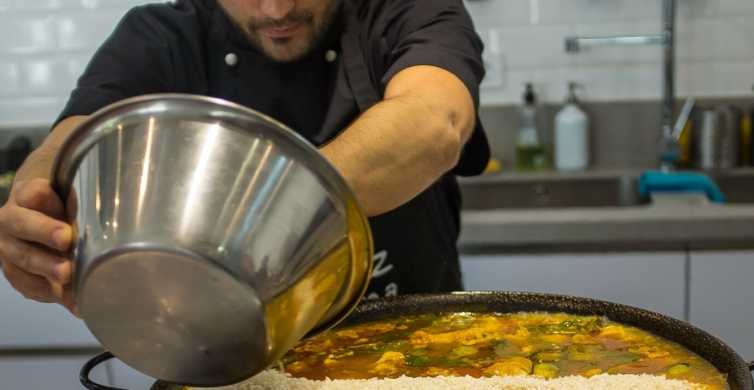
653,281
46,373
25,323
722,297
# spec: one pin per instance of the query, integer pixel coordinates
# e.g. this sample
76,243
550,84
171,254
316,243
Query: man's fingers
30,286
69,302
37,194
34,226
36,261
64,295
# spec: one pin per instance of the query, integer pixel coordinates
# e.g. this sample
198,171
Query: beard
310,35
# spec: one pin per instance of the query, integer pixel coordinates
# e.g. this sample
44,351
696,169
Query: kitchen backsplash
47,43
525,42
623,134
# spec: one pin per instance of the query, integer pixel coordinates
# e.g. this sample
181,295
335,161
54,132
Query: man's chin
285,50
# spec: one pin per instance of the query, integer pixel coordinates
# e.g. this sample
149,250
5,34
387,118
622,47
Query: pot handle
751,366
87,369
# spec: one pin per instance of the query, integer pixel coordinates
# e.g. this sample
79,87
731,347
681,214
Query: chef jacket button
331,55
231,59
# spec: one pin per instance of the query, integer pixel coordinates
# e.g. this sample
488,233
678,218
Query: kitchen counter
682,221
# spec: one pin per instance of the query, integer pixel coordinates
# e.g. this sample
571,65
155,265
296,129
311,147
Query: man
387,89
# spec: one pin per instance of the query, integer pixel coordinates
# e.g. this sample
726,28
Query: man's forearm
402,145
39,163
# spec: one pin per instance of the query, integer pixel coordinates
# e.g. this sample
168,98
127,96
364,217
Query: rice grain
275,380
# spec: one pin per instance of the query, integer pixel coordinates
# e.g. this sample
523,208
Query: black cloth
182,48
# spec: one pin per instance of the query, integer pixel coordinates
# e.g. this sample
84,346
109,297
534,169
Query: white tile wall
47,43
45,46
715,48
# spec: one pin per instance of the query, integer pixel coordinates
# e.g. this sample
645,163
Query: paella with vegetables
544,345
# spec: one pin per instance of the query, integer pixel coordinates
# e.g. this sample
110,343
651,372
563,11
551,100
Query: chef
388,90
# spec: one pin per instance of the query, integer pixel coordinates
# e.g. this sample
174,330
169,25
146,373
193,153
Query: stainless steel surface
210,238
560,192
575,44
668,146
497,218
716,138
737,185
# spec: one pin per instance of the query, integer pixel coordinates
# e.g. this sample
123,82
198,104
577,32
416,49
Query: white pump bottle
571,135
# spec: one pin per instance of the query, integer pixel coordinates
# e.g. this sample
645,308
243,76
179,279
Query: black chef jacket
191,46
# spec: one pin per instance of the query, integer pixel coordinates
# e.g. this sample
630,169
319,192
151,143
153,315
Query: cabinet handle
87,369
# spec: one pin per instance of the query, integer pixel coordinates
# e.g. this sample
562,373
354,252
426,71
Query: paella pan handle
87,369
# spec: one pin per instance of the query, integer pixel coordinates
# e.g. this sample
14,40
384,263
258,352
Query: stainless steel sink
550,192
600,211
738,186
587,190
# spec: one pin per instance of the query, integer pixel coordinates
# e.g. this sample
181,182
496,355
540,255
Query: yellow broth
547,345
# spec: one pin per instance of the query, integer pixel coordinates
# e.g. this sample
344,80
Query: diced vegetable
465,350
591,372
580,353
389,363
510,367
678,369
417,361
573,326
546,370
506,349
557,339
547,356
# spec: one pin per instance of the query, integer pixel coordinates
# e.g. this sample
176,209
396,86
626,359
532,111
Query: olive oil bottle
530,153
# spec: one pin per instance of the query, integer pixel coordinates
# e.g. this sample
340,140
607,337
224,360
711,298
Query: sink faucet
668,143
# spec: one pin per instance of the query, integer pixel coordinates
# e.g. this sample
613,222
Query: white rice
274,380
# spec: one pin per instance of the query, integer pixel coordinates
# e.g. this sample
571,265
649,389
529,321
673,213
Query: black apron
415,244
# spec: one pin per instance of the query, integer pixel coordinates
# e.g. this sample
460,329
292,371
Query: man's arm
39,163
33,234
400,146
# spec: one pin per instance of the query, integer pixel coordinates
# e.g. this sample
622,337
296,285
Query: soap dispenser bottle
571,135
530,154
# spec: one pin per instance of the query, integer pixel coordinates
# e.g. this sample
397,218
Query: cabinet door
653,281
46,373
722,297
27,323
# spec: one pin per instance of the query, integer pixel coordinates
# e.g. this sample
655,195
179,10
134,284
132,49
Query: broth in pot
546,345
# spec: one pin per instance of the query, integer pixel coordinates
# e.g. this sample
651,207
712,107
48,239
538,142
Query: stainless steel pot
717,138
209,238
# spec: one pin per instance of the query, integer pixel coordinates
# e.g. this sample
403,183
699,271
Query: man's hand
34,239
33,243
